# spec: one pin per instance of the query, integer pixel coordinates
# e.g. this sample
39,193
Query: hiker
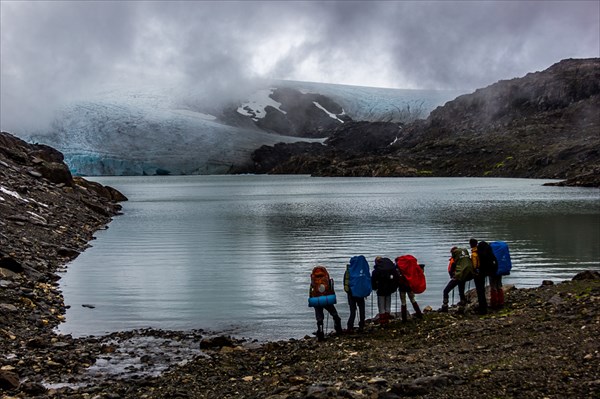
479,277
504,265
357,284
322,296
412,278
488,266
384,280
460,269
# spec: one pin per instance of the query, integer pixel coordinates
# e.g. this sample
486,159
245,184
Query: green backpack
464,265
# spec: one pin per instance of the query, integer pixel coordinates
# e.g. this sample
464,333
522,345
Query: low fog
55,52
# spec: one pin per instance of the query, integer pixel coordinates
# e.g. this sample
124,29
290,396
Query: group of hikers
406,276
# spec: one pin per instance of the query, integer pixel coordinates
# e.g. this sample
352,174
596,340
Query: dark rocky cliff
40,200
543,125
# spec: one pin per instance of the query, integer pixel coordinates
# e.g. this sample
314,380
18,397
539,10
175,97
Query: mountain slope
159,131
545,124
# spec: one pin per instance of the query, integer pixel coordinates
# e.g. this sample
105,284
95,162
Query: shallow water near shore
234,253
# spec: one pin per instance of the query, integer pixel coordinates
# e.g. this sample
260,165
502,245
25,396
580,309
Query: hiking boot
337,324
493,298
444,308
461,303
384,318
404,313
320,333
361,326
481,310
500,298
418,313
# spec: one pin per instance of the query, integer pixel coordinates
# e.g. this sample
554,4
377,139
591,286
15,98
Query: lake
234,253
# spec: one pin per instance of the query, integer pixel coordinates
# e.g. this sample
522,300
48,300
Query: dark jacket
385,277
488,264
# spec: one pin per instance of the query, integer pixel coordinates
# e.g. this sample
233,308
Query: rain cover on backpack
500,249
359,277
412,272
320,283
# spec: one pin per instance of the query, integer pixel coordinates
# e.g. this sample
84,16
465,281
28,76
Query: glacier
149,132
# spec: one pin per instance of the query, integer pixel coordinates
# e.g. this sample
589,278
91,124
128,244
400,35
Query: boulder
587,275
6,262
9,380
216,342
56,172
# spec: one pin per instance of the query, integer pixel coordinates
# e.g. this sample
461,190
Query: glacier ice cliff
148,132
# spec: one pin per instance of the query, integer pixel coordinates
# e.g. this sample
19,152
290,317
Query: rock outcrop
543,125
46,217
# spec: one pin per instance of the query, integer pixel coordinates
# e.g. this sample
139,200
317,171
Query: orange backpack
320,282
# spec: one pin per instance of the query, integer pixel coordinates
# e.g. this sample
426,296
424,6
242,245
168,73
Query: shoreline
47,219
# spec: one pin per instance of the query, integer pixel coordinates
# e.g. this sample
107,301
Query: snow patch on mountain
330,114
256,106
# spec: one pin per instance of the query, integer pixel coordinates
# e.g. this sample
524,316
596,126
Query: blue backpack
500,250
359,277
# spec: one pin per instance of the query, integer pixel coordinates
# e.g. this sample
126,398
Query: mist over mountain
543,125
162,131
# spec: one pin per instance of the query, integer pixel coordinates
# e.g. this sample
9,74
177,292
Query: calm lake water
234,253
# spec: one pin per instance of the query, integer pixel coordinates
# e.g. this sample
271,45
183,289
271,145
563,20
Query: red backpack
412,272
320,282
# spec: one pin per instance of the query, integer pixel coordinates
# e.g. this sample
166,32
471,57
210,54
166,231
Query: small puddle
135,356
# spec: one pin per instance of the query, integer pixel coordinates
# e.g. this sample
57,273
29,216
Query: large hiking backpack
359,276
488,265
464,265
412,272
385,277
500,249
321,288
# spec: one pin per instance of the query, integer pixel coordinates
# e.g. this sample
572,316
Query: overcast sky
52,51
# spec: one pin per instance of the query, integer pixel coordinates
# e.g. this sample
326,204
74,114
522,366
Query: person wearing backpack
488,266
503,267
412,277
460,269
479,278
384,279
357,284
321,296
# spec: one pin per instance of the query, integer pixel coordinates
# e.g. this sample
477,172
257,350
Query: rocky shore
543,343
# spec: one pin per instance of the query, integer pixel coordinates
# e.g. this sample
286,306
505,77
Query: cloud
53,52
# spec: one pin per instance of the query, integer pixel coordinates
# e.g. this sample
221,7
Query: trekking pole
452,296
396,303
371,306
327,324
